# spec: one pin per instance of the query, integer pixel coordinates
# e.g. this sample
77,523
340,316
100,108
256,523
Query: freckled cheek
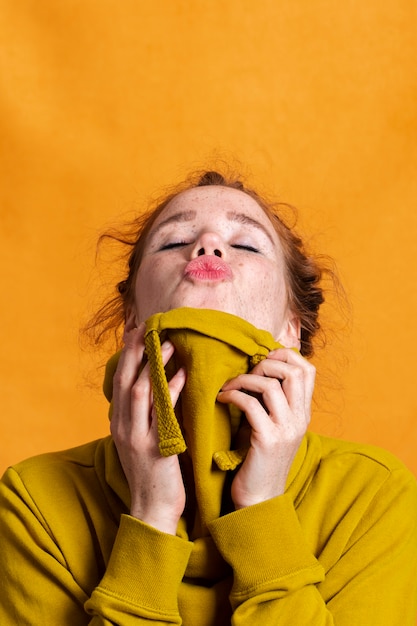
155,278
144,281
272,291
269,277
149,272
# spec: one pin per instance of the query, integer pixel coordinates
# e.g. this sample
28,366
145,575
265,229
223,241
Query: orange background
103,103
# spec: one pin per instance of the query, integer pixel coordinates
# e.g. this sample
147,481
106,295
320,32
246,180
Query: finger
244,389
176,385
291,357
249,405
281,386
278,423
291,380
289,377
127,370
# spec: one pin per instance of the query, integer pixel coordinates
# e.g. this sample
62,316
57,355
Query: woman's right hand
155,482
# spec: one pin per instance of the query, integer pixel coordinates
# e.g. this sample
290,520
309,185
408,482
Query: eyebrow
183,216
233,216
242,218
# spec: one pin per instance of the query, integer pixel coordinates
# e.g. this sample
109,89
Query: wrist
162,522
243,499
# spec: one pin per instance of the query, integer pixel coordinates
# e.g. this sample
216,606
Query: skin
229,225
226,224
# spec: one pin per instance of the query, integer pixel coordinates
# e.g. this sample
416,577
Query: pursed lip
208,267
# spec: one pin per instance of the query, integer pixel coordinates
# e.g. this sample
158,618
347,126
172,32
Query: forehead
215,199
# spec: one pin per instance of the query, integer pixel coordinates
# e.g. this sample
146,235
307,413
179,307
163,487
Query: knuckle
251,402
297,372
244,399
120,378
139,391
310,368
273,385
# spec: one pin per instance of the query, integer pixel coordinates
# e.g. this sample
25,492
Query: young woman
226,512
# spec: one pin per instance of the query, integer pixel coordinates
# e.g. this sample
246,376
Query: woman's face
214,247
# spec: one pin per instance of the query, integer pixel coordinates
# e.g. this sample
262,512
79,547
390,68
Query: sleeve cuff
146,567
265,546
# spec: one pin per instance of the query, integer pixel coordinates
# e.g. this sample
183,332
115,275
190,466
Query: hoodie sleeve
140,584
121,598
278,580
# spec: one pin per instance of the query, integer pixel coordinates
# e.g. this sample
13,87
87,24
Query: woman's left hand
276,400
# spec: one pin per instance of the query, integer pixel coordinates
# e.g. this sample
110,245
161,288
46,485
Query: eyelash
174,244
178,244
243,247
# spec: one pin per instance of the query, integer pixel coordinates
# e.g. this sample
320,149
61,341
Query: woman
148,528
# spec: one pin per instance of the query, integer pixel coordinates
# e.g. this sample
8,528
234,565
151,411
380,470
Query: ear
131,320
291,332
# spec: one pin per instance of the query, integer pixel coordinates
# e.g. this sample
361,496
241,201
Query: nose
208,243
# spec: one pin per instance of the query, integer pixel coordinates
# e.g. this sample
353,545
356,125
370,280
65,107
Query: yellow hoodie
339,547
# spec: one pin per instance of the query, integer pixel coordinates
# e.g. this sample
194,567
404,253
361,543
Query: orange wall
103,103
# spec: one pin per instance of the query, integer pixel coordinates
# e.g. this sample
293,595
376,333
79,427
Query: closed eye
173,244
240,246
